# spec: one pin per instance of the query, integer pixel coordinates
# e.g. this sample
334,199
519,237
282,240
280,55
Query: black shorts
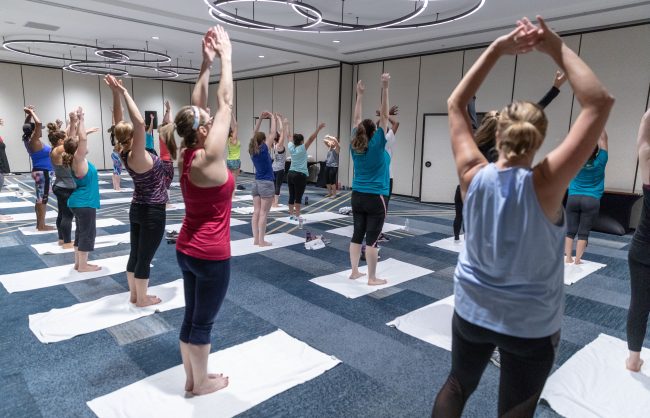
369,213
331,173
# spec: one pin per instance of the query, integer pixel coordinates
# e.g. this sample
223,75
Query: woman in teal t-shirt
298,173
84,201
583,204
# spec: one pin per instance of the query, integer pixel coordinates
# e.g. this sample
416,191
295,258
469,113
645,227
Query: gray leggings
581,213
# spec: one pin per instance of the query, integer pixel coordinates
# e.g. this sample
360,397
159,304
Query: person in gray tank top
513,214
332,165
279,157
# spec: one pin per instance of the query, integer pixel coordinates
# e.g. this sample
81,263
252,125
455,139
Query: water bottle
406,225
299,222
306,200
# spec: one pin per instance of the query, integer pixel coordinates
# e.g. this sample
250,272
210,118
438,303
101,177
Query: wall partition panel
245,120
84,91
404,77
11,112
355,79
148,95
345,102
621,59
371,75
106,100
305,112
328,109
263,92
534,77
283,96
496,90
178,94
439,75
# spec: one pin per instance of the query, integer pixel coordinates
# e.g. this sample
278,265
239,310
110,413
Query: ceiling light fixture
317,24
155,38
336,41
260,56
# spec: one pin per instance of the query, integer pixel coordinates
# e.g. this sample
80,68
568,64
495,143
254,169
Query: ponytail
166,132
360,140
521,129
123,132
54,134
256,141
69,149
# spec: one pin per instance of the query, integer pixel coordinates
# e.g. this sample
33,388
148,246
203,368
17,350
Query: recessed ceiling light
336,41
260,56
155,37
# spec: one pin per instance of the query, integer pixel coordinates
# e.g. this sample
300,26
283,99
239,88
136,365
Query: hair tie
197,117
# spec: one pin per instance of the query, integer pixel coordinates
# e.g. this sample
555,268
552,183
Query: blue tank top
86,195
510,275
263,164
148,141
41,159
371,168
590,180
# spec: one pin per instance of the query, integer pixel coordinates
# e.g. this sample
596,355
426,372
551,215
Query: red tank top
206,226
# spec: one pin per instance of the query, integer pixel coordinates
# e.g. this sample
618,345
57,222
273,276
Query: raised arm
358,106
71,127
550,95
603,141
200,92
167,117
35,139
138,144
279,130
79,163
270,138
383,110
643,147
233,127
313,136
151,120
553,174
284,132
118,115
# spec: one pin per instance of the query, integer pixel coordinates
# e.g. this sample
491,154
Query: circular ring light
12,46
95,68
154,57
458,16
310,12
162,73
181,71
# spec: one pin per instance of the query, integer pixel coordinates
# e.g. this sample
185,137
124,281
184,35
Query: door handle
427,164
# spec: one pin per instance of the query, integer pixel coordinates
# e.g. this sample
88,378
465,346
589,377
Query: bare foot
68,246
355,276
255,242
376,282
76,267
212,384
46,228
265,244
634,365
149,300
568,260
578,261
60,242
87,268
189,383
133,298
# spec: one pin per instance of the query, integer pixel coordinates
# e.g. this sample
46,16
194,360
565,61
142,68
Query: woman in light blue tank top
84,201
509,280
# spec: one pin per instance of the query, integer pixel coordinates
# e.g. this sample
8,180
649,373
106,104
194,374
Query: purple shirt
150,187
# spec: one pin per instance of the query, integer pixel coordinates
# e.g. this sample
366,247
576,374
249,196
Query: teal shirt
590,180
371,168
298,158
148,142
86,195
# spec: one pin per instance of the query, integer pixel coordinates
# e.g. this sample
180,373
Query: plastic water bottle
300,222
306,200
406,225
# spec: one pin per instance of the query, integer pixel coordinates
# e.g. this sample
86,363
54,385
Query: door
439,176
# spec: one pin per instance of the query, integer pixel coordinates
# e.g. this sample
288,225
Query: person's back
298,158
510,276
590,180
86,195
150,187
371,173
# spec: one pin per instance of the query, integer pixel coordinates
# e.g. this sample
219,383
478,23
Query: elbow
453,104
602,101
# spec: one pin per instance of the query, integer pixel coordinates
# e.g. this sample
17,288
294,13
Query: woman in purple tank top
151,178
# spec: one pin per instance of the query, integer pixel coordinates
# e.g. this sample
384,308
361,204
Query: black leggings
637,315
369,213
581,213
65,216
205,283
458,220
297,183
147,230
86,222
525,365
279,179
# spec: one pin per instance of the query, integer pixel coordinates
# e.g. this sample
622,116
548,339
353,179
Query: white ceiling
180,24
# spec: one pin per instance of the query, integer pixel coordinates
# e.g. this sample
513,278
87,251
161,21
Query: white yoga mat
16,193
101,223
100,182
245,246
122,190
175,184
573,272
115,201
449,244
394,271
595,383
13,205
171,207
12,186
242,198
431,323
52,276
258,370
311,218
83,318
177,227
110,174
248,210
347,231
102,241
27,216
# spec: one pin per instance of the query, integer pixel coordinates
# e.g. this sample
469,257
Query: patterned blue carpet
384,372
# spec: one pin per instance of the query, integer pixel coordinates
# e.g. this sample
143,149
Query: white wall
11,111
305,112
328,113
245,121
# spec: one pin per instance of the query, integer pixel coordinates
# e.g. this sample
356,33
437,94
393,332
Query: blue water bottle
306,200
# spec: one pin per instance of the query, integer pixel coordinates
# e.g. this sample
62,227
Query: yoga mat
314,217
242,198
122,190
346,231
13,205
431,323
52,276
83,318
248,210
102,241
115,201
16,193
595,383
171,207
258,370
27,216
394,271
101,223
449,244
245,246
575,272
177,227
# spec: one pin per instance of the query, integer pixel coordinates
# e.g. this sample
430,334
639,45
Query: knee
357,237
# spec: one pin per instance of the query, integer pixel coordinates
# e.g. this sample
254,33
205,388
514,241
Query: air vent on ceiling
42,26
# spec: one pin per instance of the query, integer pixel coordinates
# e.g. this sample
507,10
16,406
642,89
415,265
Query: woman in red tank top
203,245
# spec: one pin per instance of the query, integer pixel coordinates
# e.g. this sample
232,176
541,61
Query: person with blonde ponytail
509,280
371,183
151,178
84,200
64,183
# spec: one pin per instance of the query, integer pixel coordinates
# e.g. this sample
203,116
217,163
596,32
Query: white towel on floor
449,244
595,383
16,193
245,246
431,323
314,217
102,241
122,190
258,370
248,210
12,186
52,276
101,223
575,272
115,201
242,198
177,227
394,271
13,205
27,216
171,207
347,231
83,318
